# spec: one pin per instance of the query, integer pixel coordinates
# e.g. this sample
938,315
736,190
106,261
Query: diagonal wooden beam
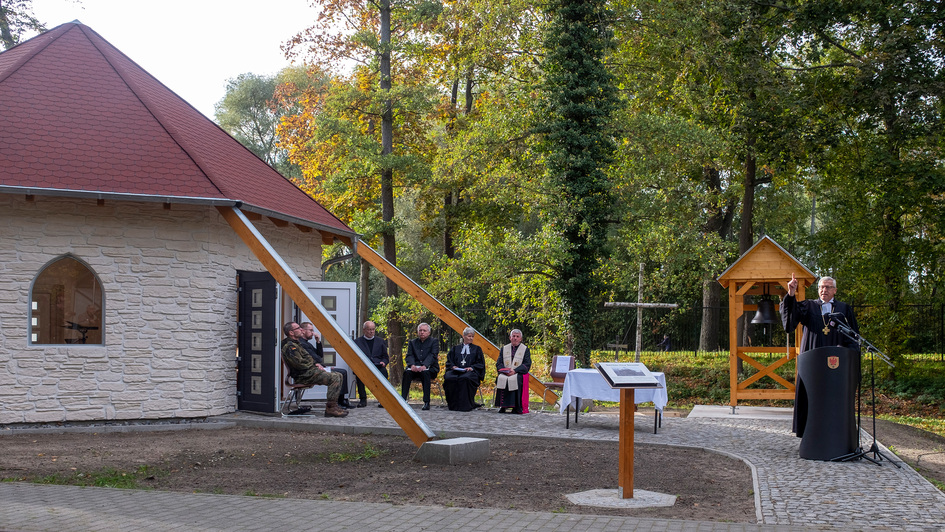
441,311
764,371
405,416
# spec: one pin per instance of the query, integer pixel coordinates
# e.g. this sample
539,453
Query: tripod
878,455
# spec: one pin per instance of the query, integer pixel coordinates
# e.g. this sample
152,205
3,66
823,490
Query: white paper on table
563,364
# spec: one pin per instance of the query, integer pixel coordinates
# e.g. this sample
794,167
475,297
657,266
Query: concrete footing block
453,451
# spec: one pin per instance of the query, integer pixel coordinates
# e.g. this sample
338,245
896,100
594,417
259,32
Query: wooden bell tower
764,269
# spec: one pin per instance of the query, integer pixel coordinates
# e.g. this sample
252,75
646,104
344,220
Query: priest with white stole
512,365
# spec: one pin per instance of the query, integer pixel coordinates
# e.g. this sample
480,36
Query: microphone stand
878,455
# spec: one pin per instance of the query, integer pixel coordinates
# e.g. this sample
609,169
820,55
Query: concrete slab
453,451
611,499
742,412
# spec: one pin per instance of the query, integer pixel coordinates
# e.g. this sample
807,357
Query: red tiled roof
77,117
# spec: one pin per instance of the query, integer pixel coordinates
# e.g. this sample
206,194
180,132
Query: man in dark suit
318,354
376,349
421,363
818,316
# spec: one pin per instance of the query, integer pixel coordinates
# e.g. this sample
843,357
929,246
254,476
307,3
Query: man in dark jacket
421,363
376,349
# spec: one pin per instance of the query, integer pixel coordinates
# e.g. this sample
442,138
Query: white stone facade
169,281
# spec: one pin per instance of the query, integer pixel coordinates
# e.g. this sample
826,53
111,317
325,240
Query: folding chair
436,389
295,396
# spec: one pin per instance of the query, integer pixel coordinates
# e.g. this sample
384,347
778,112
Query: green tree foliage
251,112
16,18
878,71
580,99
371,122
735,119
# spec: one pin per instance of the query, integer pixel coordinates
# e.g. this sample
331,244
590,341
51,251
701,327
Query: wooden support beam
765,371
745,288
734,311
254,216
405,416
278,222
327,238
303,228
440,311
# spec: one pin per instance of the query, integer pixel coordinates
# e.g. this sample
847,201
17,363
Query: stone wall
169,279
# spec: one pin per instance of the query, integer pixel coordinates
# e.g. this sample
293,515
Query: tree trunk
719,222
394,332
711,315
448,248
364,295
746,235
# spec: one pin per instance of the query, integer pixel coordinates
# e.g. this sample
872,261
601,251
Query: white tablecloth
590,384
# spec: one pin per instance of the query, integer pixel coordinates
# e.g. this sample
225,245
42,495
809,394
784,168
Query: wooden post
625,462
639,315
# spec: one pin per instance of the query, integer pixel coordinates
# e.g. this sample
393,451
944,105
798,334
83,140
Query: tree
708,108
364,117
580,97
878,72
16,18
251,112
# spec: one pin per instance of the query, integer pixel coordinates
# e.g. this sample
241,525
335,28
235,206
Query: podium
825,405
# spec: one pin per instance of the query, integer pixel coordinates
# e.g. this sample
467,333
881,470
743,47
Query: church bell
765,312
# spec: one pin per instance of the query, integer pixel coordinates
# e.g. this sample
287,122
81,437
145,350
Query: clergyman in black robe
465,369
820,330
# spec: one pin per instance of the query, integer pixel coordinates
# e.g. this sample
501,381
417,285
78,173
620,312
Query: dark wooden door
257,343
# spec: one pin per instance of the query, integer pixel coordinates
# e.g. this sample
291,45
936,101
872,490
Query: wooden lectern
627,377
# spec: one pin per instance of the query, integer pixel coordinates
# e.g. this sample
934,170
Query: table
590,384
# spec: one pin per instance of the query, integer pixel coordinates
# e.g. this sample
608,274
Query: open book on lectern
627,375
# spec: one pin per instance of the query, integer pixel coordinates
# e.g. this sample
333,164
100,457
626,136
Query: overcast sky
192,46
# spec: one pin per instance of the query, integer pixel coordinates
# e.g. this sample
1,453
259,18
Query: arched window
66,304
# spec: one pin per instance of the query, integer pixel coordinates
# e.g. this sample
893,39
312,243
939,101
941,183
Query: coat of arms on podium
833,362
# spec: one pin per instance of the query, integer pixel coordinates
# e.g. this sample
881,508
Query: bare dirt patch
522,473
922,450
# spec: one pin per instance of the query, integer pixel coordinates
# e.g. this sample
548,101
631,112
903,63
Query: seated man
304,370
376,349
421,363
308,332
465,369
514,361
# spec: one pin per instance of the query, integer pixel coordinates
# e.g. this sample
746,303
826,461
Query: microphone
837,316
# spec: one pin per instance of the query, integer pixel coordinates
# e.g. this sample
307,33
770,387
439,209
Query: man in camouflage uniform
304,369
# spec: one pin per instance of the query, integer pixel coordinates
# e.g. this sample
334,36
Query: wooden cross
639,305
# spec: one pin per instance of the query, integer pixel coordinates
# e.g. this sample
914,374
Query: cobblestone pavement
791,494
789,490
